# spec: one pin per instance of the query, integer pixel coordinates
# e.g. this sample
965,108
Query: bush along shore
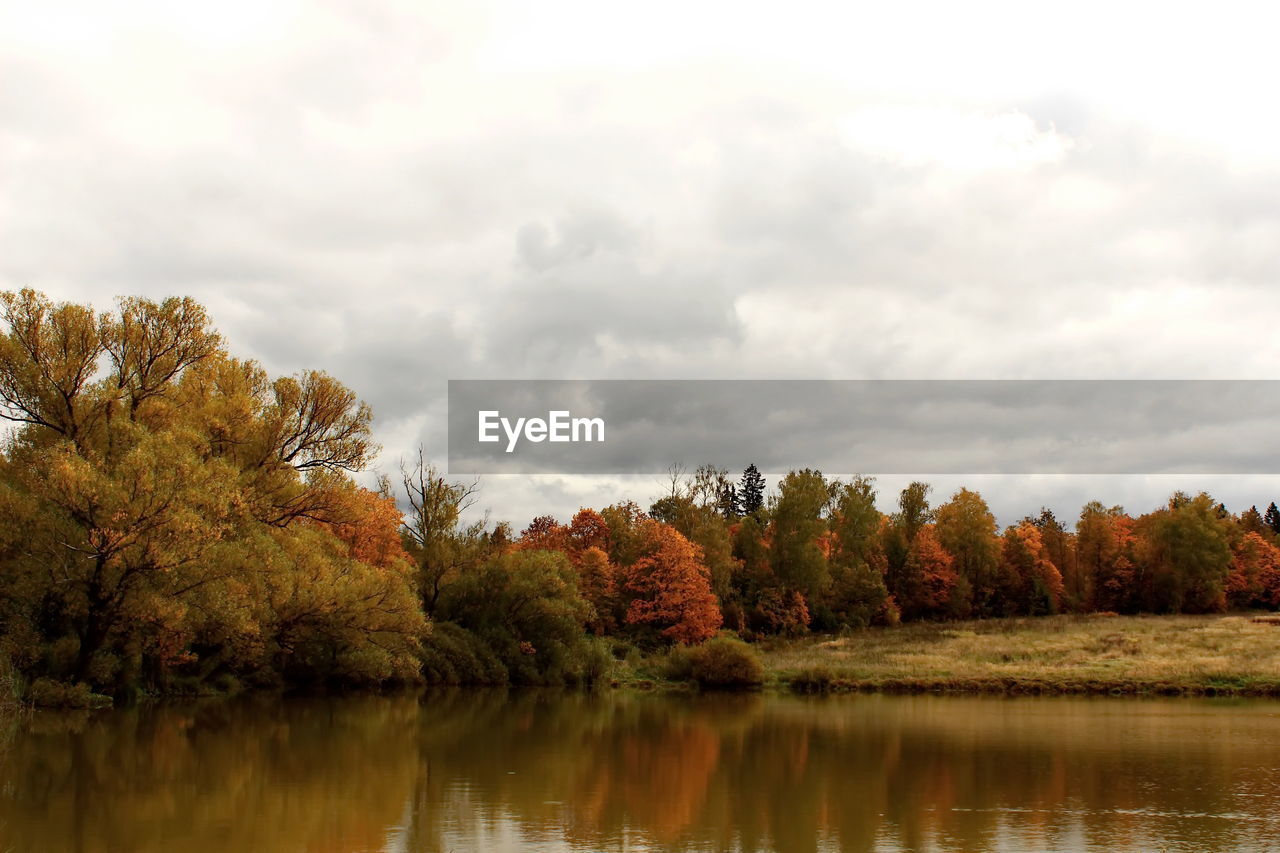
174,521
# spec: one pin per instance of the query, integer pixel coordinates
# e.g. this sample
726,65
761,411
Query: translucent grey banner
622,426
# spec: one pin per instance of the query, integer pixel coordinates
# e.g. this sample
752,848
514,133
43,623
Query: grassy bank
1169,655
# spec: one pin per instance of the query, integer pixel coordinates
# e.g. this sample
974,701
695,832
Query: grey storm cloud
403,195
1135,427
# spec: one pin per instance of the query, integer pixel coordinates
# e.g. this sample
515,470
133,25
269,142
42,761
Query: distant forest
174,520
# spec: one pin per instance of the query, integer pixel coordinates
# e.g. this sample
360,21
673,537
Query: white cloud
915,136
400,193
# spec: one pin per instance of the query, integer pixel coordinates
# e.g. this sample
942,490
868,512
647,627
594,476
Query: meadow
1235,654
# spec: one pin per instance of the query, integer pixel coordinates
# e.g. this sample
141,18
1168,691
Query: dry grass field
1211,655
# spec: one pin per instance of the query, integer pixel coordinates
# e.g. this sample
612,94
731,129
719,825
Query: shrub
47,693
453,655
595,663
813,679
678,663
727,662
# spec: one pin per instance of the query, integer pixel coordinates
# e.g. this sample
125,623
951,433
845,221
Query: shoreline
1220,655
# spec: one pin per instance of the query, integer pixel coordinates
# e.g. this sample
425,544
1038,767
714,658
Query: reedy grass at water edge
1095,654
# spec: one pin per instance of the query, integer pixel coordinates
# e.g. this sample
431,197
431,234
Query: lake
555,771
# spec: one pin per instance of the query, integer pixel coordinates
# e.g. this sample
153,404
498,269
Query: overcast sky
403,193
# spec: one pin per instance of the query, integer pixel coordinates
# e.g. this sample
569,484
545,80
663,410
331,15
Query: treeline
818,555
173,519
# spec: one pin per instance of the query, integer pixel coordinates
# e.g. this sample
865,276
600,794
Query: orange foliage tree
931,580
671,586
588,529
1105,542
369,524
1031,582
598,584
1255,573
544,533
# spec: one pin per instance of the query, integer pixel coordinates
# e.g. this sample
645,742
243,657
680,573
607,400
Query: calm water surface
550,771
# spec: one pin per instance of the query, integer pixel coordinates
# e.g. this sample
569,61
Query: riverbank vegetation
173,520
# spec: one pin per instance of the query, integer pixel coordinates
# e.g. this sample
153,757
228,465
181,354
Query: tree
671,587
797,553
1272,518
1186,553
370,525
727,501
587,529
1060,548
932,589
158,481
1254,580
441,546
626,523
1105,543
598,582
751,491
702,525
967,529
125,530
1251,521
751,573
329,617
897,536
1030,582
913,509
544,533
525,605
857,593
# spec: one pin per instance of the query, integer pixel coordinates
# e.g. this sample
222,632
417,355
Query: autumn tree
152,472
1250,521
544,533
369,523
1060,548
1029,582
897,536
598,583
670,587
932,587
1254,579
967,529
587,529
1185,551
701,524
1105,551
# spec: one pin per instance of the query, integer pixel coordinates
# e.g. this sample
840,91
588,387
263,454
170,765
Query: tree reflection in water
480,770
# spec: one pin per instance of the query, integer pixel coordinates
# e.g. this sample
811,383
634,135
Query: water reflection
554,771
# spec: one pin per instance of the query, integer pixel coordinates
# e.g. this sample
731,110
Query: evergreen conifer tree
751,491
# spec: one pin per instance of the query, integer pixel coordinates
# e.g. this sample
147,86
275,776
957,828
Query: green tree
857,593
443,548
751,491
1186,550
526,607
967,530
798,524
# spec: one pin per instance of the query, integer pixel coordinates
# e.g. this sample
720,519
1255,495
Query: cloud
402,194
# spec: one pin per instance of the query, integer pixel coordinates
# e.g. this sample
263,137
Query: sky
403,193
